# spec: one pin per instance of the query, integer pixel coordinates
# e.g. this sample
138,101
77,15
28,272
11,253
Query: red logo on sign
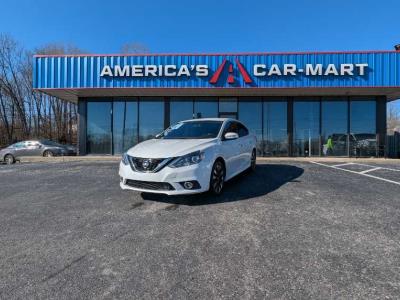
230,79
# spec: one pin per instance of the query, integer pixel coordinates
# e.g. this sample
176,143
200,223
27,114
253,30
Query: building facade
297,104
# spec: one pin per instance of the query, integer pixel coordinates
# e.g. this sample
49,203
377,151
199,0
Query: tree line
28,114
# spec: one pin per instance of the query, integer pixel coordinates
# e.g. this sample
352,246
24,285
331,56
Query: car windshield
364,136
17,145
50,143
192,130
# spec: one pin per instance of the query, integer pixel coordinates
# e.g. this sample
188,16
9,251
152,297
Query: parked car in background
44,148
361,144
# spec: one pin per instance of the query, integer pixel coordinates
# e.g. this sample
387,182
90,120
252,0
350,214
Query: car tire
217,178
48,153
9,159
253,160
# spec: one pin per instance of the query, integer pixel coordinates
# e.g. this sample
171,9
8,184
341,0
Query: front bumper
199,172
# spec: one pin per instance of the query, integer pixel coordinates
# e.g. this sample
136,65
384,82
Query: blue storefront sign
290,70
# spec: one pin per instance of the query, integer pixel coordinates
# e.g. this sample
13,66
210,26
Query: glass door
306,128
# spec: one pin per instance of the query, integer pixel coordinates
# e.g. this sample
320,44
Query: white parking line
371,170
360,173
383,168
342,165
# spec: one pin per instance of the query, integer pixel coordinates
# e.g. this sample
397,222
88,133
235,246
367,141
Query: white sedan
190,157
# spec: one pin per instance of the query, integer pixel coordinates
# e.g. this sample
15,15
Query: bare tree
11,60
25,113
58,48
393,117
134,48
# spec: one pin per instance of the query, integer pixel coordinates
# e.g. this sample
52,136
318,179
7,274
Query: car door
231,150
22,149
245,142
17,148
32,148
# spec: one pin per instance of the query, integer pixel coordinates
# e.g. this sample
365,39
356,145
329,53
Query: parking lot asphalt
288,230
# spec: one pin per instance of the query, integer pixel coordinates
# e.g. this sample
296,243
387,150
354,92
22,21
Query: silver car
44,148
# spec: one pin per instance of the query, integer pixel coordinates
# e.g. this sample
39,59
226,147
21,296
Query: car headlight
187,160
125,159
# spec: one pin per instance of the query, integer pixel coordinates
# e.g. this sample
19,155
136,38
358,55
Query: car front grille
149,185
139,164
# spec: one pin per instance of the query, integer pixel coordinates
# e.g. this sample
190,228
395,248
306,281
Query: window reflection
114,127
306,128
118,126
131,125
205,108
250,113
228,105
180,110
99,127
334,127
275,129
363,128
151,119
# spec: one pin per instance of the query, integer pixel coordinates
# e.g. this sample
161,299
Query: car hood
5,149
161,148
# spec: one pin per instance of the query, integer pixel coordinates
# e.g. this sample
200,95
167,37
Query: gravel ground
289,230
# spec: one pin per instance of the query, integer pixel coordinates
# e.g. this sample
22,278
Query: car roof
28,141
208,119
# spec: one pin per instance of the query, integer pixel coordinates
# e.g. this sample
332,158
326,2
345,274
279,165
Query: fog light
188,185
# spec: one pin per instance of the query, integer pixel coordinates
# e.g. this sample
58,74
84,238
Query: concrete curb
30,159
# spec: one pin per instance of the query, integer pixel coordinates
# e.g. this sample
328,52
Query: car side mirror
231,136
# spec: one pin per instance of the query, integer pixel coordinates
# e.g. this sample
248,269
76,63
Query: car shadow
265,179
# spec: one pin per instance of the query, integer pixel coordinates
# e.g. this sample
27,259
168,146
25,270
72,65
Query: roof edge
222,53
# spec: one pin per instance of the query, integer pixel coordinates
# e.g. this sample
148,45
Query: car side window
231,127
243,131
19,145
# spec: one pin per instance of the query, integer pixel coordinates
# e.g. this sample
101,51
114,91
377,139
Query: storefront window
228,108
363,128
275,142
131,125
334,127
180,110
118,126
151,118
250,113
99,127
205,108
306,128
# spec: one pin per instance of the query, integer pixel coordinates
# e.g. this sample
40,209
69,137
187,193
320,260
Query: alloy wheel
9,159
48,154
217,178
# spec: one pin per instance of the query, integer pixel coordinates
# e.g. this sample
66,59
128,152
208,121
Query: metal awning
72,94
